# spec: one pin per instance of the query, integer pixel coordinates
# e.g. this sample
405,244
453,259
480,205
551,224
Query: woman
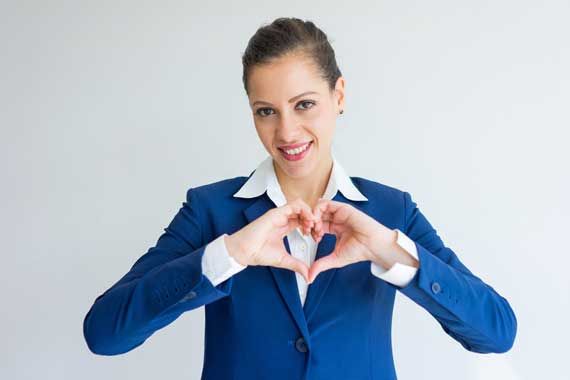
297,264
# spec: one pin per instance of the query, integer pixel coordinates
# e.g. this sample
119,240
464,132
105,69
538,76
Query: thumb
324,263
294,264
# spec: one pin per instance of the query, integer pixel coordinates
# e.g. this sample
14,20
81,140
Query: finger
294,221
321,265
319,207
326,224
280,219
308,224
294,264
317,235
284,228
287,209
316,232
295,207
314,235
290,209
330,220
291,225
304,225
305,214
284,215
329,206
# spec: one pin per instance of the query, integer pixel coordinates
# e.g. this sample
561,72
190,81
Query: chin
300,171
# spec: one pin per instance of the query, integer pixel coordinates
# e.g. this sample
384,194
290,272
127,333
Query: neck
309,188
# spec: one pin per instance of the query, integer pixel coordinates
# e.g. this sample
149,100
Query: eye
260,111
307,102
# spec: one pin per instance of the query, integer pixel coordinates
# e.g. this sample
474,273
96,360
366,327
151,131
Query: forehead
283,78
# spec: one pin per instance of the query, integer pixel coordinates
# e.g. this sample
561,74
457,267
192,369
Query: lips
299,156
293,146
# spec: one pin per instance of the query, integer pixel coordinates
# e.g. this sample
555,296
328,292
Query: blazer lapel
285,278
317,289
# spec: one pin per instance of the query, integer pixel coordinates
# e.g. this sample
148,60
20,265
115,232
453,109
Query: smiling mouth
296,155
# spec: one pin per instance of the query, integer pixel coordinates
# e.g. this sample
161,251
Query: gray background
111,110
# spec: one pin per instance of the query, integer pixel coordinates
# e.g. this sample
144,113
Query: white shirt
218,265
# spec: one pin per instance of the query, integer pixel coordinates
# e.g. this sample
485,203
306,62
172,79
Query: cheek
316,117
322,126
265,137
321,116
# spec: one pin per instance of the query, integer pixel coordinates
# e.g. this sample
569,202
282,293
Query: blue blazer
256,326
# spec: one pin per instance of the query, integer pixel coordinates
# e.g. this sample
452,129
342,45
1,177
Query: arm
468,309
161,285
217,264
399,274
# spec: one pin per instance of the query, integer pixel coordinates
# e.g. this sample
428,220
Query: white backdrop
111,110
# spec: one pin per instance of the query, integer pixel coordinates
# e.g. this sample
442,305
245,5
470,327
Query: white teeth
298,150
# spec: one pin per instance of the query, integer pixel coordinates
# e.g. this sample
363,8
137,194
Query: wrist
381,247
391,252
234,248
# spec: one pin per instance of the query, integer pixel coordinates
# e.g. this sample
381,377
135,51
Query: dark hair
289,35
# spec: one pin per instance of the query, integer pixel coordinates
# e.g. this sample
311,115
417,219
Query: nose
289,129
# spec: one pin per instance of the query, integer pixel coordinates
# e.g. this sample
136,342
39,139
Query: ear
339,93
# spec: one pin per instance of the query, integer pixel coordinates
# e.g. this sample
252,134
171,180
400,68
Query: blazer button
435,287
301,345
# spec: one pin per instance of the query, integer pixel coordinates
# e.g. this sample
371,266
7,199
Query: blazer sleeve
162,284
468,309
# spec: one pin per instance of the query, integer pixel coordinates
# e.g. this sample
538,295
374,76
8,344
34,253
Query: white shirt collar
264,178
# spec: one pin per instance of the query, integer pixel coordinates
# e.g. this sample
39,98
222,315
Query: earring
341,111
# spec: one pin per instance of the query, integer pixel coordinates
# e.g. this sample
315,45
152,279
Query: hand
359,236
261,241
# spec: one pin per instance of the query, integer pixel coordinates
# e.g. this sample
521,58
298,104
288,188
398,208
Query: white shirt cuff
399,274
217,264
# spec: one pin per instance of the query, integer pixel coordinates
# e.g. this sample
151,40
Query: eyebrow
290,100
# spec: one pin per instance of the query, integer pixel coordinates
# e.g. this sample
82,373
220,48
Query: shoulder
378,190
217,190
390,205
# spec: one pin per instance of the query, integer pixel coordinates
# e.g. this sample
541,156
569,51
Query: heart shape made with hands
355,232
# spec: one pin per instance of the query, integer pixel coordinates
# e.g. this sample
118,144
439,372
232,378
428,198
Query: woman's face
292,105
